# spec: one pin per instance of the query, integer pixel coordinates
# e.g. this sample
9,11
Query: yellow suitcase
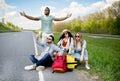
71,61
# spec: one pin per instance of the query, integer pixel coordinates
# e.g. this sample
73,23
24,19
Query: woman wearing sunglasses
66,41
80,51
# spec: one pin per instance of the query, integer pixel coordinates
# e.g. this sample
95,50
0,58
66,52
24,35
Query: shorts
77,55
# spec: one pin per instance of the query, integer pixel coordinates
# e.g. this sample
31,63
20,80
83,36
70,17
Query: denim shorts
77,54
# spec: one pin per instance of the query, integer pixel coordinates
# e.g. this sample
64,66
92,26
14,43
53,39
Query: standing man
46,22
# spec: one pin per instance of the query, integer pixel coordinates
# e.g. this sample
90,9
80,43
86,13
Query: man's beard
49,42
46,13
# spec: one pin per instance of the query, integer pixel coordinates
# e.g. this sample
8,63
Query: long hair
80,40
63,35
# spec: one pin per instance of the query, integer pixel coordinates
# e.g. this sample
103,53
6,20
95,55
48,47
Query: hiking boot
30,67
87,67
39,68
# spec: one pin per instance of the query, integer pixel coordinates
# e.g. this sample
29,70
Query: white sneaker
30,67
87,66
39,68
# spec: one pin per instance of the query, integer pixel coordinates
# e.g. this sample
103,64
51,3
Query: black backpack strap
70,41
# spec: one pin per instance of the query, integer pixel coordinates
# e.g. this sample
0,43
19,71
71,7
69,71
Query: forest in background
9,27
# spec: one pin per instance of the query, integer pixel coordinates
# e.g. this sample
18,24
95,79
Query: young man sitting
47,59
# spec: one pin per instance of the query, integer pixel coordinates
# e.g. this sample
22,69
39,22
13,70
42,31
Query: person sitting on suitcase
80,51
66,41
47,59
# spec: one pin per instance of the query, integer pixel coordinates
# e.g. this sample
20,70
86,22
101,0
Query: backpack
59,64
71,62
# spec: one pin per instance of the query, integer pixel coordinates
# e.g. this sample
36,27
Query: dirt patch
85,76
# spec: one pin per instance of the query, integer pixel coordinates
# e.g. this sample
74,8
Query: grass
104,57
4,28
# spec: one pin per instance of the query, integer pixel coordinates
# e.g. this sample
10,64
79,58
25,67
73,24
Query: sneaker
30,67
87,67
39,68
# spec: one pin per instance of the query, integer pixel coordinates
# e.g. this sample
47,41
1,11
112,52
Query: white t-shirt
79,45
68,45
46,23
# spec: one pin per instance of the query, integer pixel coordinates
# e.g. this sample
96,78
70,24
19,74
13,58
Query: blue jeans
77,54
45,61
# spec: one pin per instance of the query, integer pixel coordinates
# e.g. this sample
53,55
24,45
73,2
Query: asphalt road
15,49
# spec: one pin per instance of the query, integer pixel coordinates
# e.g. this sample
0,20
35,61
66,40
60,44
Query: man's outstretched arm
63,18
29,17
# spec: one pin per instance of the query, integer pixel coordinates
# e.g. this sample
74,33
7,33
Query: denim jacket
50,48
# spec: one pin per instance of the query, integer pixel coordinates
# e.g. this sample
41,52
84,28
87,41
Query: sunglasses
77,36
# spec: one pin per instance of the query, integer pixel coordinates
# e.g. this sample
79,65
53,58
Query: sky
9,10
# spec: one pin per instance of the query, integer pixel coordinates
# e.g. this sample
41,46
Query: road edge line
40,73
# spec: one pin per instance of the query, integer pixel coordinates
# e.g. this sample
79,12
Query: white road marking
41,78
40,74
35,45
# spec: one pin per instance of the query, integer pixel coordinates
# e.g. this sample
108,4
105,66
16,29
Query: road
15,49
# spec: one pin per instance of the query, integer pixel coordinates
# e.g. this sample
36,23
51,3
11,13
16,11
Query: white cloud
24,22
77,9
108,3
4,10
10,14
4,6
111,1
81,10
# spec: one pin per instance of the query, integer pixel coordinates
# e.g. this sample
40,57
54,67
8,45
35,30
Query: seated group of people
66,45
